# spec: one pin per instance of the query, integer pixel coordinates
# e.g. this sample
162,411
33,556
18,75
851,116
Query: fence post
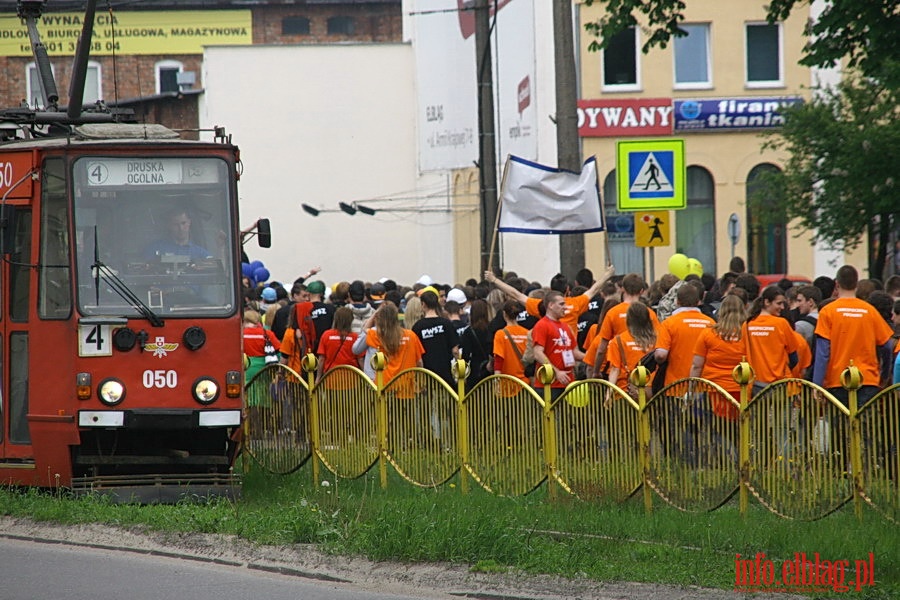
462,428
743,375
309,365
851,380
378,363
546,375
640,377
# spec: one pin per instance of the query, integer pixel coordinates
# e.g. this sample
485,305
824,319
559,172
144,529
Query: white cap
457,295
425,280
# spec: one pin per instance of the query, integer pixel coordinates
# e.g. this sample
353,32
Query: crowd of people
701,326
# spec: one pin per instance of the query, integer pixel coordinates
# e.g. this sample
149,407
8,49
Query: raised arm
505,287
595,288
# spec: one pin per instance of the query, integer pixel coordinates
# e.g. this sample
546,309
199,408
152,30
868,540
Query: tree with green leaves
842,176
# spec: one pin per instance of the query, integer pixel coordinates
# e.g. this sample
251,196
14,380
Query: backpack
306,327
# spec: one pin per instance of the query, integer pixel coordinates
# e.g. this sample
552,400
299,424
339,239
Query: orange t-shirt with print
855,330
678,334
511,363
721,357
769,341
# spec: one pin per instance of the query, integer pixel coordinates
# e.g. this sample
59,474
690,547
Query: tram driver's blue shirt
160,248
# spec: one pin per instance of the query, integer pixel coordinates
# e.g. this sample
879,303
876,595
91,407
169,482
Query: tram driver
177,242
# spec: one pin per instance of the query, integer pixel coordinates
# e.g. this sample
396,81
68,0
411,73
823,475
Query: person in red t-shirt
336,348
555,343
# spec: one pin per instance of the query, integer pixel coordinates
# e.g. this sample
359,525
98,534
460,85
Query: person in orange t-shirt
678,334
509,346
771,343
401,347
850,329
719,350
628,347
613,324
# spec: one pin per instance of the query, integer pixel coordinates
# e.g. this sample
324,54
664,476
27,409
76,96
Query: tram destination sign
149,171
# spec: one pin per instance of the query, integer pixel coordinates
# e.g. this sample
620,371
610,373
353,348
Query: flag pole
497,219
605,223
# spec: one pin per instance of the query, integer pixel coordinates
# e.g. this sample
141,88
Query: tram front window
160,226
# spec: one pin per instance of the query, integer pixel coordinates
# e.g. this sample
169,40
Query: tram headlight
111,391
205,390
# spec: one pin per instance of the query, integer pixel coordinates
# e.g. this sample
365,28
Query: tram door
16,295
16,265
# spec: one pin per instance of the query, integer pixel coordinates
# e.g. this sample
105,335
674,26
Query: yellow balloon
695,267
577,395
678,265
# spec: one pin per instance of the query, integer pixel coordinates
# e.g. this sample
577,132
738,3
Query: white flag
543,200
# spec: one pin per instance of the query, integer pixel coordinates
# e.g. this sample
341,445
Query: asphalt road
40,571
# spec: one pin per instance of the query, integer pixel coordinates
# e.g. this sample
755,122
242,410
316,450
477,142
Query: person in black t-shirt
438,337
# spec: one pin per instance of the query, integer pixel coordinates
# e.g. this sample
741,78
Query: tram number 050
160,378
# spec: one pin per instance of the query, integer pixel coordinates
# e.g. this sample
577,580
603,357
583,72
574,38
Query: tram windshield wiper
101,271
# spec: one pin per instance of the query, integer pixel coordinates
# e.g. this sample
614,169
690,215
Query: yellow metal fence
794,447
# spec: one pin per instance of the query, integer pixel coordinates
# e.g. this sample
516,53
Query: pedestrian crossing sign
650,175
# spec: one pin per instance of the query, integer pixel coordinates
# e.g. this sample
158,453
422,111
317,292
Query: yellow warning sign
651,229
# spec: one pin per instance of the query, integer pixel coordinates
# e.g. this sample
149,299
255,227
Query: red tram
120,312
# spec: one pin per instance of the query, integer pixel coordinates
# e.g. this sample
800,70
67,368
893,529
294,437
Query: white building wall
322,124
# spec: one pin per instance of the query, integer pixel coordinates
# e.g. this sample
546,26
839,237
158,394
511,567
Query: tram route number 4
95,339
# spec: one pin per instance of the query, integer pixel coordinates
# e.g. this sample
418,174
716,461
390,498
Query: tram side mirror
264,233
7,229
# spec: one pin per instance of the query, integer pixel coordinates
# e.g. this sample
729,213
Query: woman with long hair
627,348
771,343
336,344
476,343
719,350
413,312
401,347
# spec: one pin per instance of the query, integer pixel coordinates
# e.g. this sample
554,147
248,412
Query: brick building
148,56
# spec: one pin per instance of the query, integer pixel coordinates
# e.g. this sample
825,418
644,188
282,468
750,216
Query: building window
692,61
33,86
764,55
766,226
620,62
295,26
626,257
341,26
695,228
167,76
93,82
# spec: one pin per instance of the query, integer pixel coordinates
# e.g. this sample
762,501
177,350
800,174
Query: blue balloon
256,264
261,274
246,270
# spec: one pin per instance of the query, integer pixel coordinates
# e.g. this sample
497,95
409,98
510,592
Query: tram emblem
160,347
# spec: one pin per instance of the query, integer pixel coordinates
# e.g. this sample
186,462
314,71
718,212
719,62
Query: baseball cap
269,294
316,287
457,295
425,280
428,289
377,291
